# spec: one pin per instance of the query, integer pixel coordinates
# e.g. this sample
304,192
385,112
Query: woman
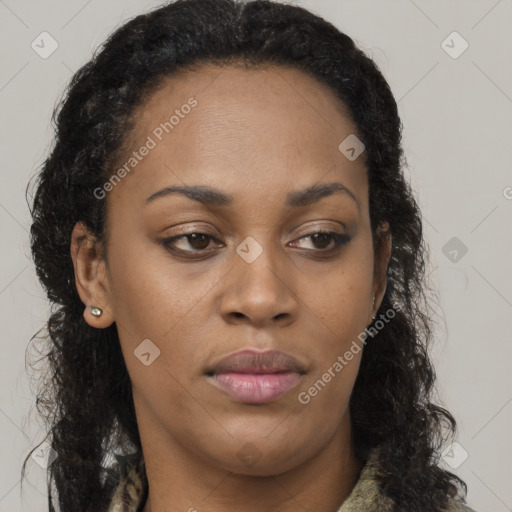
238,267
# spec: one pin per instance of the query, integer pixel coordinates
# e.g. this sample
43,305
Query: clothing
365,496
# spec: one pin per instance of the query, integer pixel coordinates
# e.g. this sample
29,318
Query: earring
374,305
96,311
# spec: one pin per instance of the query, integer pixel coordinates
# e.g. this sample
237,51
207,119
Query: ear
91,278
383,246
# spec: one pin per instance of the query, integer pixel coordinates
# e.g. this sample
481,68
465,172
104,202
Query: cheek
342,303
344,306
150,295
153,300
341,298
325,397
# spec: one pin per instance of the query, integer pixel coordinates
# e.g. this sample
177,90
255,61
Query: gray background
457,137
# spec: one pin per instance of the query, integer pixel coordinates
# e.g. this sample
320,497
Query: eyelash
340,239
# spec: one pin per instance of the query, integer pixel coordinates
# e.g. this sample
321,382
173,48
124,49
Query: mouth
256,389
255,377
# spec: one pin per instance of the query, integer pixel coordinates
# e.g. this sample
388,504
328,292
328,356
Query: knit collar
129,495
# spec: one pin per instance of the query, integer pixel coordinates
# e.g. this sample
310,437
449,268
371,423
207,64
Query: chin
253,459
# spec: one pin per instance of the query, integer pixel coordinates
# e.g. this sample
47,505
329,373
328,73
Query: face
243,258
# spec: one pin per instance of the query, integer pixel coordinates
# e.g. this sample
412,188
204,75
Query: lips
255,377
251,361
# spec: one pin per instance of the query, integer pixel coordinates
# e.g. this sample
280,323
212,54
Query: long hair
85,397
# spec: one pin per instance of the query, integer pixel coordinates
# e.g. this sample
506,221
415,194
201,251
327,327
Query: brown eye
198,241
189,243
321,240
197,244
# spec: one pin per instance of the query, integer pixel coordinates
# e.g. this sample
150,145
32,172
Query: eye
326,238
198,241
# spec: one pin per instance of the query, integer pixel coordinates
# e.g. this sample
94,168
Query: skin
257,134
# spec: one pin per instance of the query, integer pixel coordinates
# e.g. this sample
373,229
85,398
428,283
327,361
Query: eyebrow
212,197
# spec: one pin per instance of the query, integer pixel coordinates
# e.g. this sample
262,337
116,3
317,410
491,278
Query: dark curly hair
85,397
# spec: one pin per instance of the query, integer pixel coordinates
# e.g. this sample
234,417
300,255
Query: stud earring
96,311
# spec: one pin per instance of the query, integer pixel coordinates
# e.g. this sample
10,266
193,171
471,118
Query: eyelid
338,239
308,229
319,225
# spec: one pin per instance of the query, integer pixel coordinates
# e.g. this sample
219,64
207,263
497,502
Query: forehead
267,128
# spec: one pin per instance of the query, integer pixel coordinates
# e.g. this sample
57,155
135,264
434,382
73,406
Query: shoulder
458,507
367,496
129,494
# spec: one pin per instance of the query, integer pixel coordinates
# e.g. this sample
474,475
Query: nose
260,292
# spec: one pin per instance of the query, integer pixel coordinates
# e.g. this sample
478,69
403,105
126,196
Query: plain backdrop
450,68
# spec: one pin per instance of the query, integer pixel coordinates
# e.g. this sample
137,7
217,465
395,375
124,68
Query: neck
321,483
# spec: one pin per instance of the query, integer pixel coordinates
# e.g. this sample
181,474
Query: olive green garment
365,496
